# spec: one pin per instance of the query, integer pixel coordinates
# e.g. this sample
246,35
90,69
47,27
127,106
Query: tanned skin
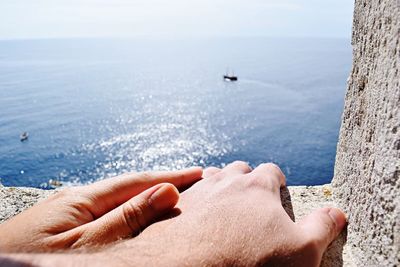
228,217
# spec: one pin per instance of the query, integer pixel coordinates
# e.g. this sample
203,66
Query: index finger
110,193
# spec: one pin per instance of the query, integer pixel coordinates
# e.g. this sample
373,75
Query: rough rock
305,199
13,200
367,170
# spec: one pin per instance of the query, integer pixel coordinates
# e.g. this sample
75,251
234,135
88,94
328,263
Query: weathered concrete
366,182
298,201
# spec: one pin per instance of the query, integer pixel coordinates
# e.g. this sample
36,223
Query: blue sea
95,108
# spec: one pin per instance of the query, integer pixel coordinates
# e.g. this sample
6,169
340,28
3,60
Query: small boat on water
231,78
55,183
24,136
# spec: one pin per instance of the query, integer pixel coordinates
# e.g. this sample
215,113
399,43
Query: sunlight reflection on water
168,139
97,108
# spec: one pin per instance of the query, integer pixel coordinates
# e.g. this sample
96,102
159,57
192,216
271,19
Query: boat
24,136
231,78
55,183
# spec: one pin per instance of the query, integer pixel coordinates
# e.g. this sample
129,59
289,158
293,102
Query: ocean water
95,108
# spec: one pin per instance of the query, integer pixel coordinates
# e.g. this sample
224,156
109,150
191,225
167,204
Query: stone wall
366,182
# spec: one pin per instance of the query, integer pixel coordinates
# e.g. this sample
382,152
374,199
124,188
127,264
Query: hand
234,217
96,214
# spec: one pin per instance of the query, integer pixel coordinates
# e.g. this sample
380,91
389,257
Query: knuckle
133,216
77,202
260,181
211,169
67,192
330,226
318,241
180,178
276,171
272,166
241,165
143,177
216,177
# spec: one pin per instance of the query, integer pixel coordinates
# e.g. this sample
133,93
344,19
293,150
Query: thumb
131,217
323,226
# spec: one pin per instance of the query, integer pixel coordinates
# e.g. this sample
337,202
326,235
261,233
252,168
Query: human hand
96,214
234,217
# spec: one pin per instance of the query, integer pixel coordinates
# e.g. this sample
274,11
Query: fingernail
339,218
164,198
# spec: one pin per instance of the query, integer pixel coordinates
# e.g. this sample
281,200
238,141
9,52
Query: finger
322,226
237,167
210,171
270,175
107,194
131,217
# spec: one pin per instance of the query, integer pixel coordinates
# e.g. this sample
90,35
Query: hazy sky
174,18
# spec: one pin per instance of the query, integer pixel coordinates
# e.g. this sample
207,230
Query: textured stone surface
306,199
367,169
13,200
298,201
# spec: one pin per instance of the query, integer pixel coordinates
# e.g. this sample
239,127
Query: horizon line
169,38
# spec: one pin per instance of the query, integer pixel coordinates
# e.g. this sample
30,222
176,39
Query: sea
96,108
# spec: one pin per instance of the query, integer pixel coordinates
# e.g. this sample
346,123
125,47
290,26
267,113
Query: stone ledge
298,202
14,200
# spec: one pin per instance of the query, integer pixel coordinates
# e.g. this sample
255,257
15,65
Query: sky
32,19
